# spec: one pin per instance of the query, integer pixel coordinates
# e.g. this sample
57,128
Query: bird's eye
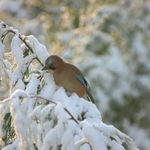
52,64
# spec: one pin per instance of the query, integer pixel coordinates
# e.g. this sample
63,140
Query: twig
50,101
3,26
70,115
5,100
24,41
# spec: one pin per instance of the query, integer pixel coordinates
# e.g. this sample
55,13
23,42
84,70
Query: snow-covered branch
37,113
50,101
23,38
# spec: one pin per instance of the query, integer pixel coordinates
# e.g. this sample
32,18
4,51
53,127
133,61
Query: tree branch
50,101
4,25
24,41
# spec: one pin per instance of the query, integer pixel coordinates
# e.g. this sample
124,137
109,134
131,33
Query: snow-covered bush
39,115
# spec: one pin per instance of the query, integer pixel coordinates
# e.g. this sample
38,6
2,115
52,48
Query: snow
33,84
20,84
2,50
16,50
116,146
112,76
69,122
97,139
60,113
51,140
85,147
7,64
13,146
39,49
3,29
36,113
67,140
92,131
49,86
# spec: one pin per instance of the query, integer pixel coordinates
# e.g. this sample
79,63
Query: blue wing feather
81,80
84,82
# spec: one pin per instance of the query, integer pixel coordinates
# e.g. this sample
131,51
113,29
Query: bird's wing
80,76
81,79
84,83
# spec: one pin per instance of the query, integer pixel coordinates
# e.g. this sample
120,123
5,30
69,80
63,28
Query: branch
24,41
5,100
3,26
50,101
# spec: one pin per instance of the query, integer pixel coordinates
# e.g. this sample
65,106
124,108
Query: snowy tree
39,115
108,40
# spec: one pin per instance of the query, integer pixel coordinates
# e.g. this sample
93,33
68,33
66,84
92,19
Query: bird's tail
89,96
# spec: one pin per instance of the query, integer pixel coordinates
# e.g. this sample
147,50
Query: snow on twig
50,101
7,29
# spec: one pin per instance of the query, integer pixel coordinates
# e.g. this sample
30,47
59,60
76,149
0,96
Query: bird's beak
44,68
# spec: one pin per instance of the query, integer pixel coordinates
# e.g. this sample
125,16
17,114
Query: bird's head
53,62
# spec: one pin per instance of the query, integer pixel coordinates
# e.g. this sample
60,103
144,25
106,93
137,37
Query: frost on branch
38,115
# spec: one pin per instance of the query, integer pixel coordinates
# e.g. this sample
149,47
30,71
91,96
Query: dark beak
44,68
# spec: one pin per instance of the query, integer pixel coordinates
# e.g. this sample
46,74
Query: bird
68,76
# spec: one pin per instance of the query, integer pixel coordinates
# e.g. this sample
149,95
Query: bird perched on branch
68,76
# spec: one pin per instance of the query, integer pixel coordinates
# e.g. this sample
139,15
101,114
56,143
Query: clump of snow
39,49
96,139
15,145
16,50
49,86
